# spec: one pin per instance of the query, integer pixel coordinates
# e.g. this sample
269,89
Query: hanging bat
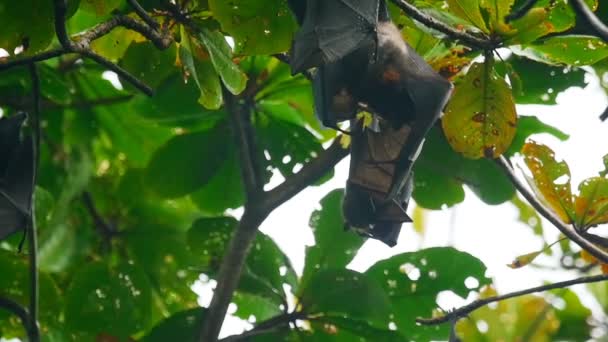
372,169
362,57
16,175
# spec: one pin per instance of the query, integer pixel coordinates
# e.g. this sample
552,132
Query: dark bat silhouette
372,168
16,175
379,68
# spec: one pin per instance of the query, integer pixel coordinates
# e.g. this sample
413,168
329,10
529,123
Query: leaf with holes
258,28
334,247
591,204
574,50
112,300
331,292
550,180
480,118
414,280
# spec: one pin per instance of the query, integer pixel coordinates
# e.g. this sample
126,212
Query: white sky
491,233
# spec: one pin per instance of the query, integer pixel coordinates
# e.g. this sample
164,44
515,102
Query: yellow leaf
524,260
480,119
550,179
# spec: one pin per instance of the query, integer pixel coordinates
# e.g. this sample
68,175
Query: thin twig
125,75
31,59
141,12
464,37
106,230
567,230
521,11
583,10
21,312
32,231
467,309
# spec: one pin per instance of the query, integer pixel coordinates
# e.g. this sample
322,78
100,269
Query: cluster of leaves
134,191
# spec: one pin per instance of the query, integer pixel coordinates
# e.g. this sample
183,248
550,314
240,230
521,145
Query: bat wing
428,93
331,30
372,169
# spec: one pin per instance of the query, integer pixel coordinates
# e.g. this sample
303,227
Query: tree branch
19,311
241,126
583,10
229,275
258,206
312,171
105,230
266,326
465,310
465,37
141,12
567,230
31,59
32,231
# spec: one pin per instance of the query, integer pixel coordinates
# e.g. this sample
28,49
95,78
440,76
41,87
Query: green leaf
575,50
533,76
176,104
99,7
529,125
115,44
550,179
286,145
163,254
480,119
372,304
258,28
266,268
334,247
114,301
149,64
14,284
221,57
183,326
413,281
203,73
187,162
225,190
468,10
574,317
363,329
28,24
439,174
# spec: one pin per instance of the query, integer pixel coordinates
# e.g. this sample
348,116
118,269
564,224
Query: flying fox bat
16,175
374,66
372,169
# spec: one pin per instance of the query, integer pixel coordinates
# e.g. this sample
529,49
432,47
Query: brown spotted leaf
591,204
550,179
480,119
